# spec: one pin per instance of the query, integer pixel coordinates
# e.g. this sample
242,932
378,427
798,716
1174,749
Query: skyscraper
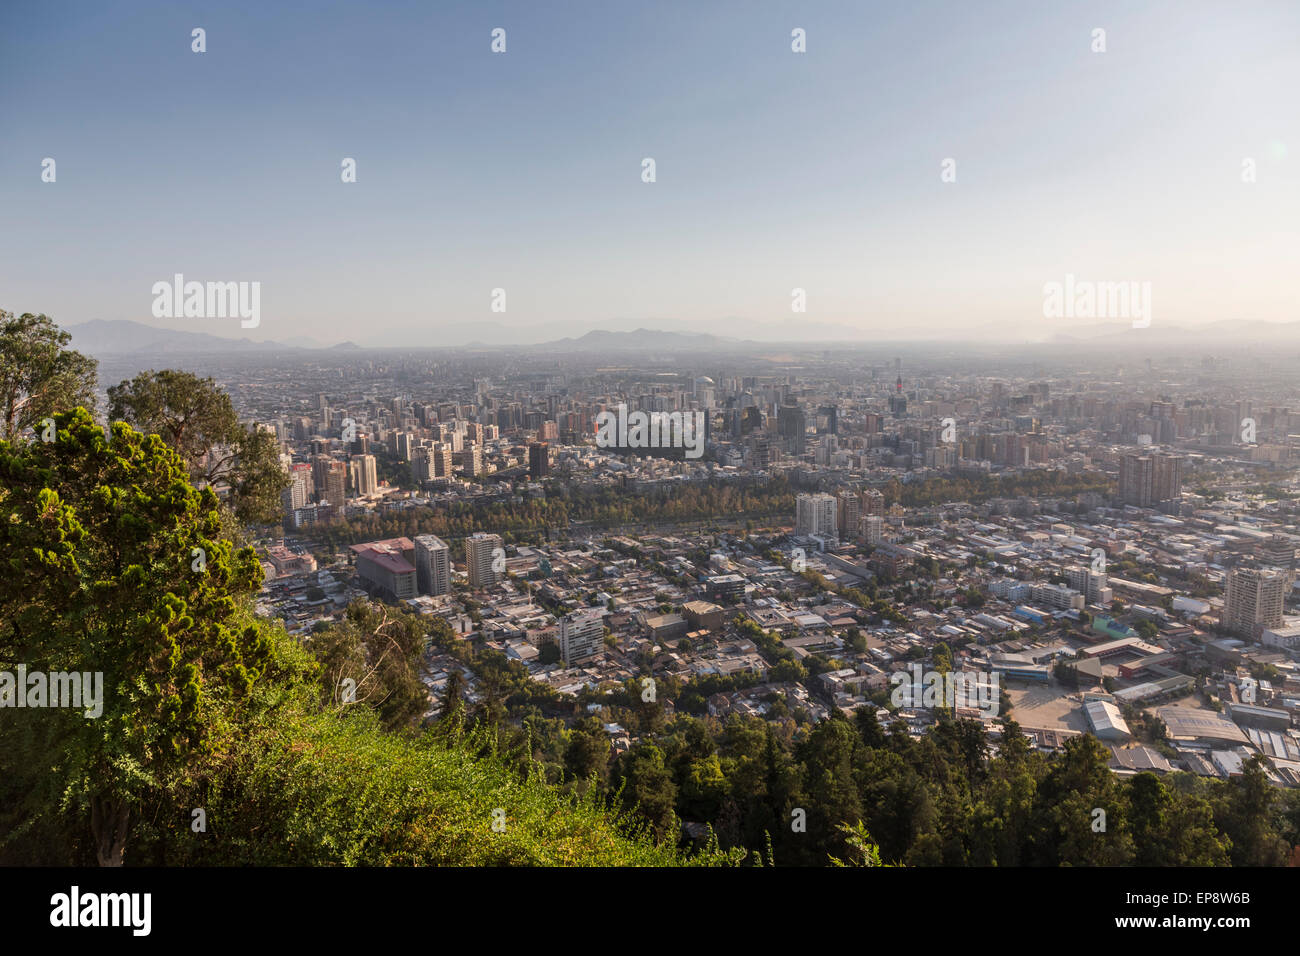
1254,600
816,514
582,634
1150,480
432,564
331,479
793,427
365,478
539,464
480,550
849,513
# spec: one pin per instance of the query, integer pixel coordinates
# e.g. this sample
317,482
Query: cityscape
443,441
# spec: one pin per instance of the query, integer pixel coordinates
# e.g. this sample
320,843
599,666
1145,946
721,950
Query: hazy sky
775,169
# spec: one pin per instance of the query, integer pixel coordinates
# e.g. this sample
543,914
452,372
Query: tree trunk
108,822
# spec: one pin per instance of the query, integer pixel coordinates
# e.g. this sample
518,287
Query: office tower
760,453
849,507
480,551
832,415
365,477
816,514
582,635
330,477
432,564
1254,600
539,464
792,427
873,529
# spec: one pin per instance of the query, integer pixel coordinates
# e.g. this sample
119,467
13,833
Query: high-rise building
793,427
832,414
539,463
470,460
1094,585
1278,552
299,492
760,453
480,551
1150,480
1255,600
365,476
1135,475
331,478
582,636
849,505
432,564
816,514
1167,479
873,502
873,530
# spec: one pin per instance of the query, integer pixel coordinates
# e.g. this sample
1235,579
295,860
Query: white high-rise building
432,564
873,530
480,550
582,635
1094,585
365,477
816,514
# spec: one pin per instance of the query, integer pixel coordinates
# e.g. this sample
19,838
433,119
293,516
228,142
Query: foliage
38,374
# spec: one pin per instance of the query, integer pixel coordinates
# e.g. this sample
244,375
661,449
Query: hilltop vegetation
115,563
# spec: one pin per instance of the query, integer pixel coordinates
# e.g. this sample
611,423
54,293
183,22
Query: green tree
377,649
198,420
39,375
113,564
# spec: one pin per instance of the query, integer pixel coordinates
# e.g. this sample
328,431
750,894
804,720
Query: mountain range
125,337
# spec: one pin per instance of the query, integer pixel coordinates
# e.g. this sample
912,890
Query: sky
775,170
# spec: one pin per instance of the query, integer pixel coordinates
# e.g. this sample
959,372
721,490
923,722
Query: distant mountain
349,346
1226,333
638,339
304,342
123,337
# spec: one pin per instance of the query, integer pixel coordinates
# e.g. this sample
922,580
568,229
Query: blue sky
775,170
